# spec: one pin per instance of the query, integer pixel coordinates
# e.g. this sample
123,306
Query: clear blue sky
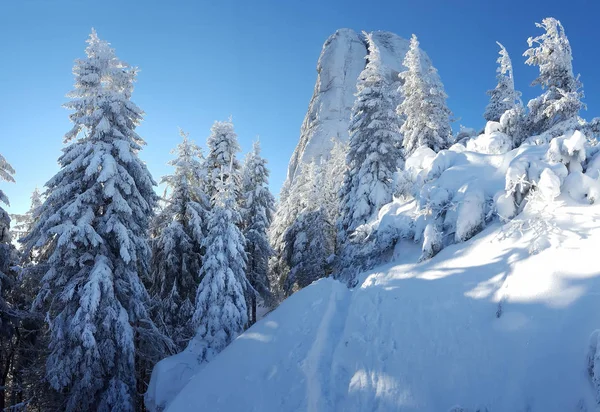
255,60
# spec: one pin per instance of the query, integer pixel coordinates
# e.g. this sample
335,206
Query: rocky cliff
342,59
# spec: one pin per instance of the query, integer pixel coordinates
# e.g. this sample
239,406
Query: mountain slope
427,337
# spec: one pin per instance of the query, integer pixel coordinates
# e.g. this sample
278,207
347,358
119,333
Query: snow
426,336
498,315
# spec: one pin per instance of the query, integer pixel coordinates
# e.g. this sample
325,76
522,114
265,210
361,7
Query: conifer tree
22,224
561,100
504,96
374,152
8,263
221,312
177,250
221,161
258,205
93,228
427,117
307,241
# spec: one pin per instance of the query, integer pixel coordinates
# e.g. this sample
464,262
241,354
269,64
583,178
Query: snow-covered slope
341,61
483,324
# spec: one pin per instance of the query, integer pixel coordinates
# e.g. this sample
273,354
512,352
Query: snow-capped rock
341,61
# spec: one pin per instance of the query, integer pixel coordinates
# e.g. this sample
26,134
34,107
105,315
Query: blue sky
202,61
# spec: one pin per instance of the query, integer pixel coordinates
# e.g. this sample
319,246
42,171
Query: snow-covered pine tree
374,152
258,206
308,240
221,161
334,170
22,224
93,226
561,100
221,311
286,211
504,96
8,261
177,250
427,117
6,174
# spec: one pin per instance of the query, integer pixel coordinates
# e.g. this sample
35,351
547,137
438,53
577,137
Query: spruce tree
23,223
504,96
427,117
177,250
258,205
221,161
8,263
93,227
561,100
221,311
374,149
307,241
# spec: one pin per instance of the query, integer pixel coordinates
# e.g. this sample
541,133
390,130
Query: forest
104,277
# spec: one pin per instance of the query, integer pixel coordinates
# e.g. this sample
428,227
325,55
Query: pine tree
504,97
374,152
93,227
562,99
221,161
287,210
427,118
258,206
221,311
334,170
22,224
308,240
8,262
177,250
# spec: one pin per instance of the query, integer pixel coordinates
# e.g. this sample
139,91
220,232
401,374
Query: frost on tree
8,261
504,96
22,224
374,152
221,311
258,205
93,225
561,100
427,117
308,240
221,161
290,205
177,249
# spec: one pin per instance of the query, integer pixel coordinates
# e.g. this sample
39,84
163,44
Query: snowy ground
427,337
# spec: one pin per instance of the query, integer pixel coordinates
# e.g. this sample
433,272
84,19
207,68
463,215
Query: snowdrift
483,324
490,304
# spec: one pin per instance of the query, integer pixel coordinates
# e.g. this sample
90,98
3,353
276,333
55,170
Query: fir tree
334,170
221,311
177,250
504,97
22,224
427,118
8,263
93,227
308,240
257,214
562,99
374,151
221,161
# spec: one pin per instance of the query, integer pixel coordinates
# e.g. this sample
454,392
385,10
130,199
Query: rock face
342,59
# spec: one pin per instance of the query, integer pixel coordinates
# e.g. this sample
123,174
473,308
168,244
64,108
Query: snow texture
385,344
